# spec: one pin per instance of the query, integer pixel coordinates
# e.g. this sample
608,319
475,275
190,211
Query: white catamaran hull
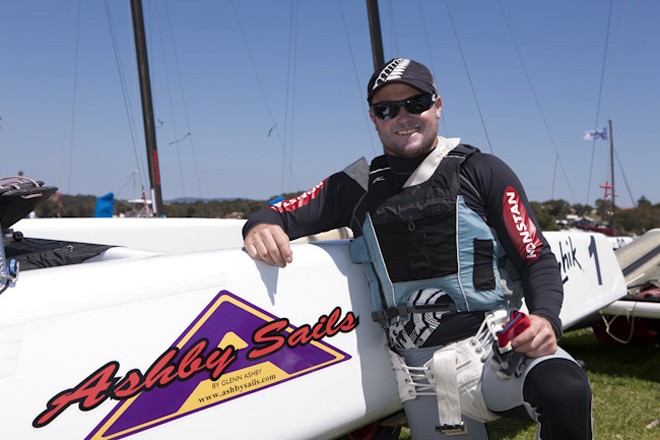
155,343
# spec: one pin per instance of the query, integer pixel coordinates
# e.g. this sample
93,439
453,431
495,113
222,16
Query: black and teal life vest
424,236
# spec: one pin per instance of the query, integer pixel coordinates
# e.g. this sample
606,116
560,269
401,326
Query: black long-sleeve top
489,187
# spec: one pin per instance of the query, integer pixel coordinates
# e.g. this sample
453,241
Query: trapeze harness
425,237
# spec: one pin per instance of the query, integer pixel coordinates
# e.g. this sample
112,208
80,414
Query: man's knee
556,382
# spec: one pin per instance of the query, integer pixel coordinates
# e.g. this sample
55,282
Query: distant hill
203,200
551,214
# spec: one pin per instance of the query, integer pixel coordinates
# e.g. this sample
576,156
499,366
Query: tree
582,210
546,221
558,209
637,220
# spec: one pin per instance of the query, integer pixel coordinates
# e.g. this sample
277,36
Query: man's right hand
270,244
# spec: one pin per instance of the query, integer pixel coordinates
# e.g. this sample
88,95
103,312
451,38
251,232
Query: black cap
401,70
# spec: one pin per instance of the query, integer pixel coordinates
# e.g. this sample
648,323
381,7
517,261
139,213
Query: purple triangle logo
233,348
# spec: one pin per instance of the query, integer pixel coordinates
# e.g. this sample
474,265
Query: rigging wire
394,40
183,99
358,82
171,106
539,107
122,81
554,176
291,61
428,48
131,177
625,179
261,87
467,71
616,94
73,105
600,93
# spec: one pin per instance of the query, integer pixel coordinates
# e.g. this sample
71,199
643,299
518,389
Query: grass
625,381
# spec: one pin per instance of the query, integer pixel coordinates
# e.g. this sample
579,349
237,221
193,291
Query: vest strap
383,316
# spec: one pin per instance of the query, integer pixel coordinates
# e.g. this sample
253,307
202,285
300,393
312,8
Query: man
446,236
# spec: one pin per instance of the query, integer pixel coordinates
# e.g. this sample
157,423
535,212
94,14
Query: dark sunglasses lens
386,111
419,104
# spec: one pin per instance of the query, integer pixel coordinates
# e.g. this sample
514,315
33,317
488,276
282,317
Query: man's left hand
537,340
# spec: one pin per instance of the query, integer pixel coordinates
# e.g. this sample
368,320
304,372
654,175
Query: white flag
590,135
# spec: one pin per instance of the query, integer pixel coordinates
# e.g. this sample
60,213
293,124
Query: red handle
518,322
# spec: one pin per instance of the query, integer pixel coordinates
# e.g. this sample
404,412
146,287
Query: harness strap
443,376
383,316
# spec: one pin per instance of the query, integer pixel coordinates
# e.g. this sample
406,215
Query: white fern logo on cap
392,71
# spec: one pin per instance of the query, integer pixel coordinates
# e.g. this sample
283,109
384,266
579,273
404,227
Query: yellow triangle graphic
232,338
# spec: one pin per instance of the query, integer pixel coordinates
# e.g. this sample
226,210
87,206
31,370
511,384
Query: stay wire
394,40
467,71
625,179
126,182
538,106
600,93
430,51
259,82
183,100
122,82
171,106
616,96
554,177
358,82
73,105
289,102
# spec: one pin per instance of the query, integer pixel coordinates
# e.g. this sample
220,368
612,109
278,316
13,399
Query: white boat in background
635,318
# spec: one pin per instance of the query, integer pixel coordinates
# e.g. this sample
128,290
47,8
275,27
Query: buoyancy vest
425,236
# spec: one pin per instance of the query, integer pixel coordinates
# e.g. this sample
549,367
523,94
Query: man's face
406,135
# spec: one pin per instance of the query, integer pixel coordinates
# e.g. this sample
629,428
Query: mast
375,32
147,106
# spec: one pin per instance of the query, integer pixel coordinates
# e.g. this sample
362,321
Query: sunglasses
415,105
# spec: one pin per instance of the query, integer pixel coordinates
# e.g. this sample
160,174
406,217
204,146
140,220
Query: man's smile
407,132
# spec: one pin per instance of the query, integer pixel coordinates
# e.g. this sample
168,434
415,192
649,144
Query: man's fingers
537,340
269,250
258,251
270,244
283,247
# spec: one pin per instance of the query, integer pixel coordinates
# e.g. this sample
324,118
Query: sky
255,98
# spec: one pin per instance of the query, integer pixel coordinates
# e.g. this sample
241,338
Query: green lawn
626,387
